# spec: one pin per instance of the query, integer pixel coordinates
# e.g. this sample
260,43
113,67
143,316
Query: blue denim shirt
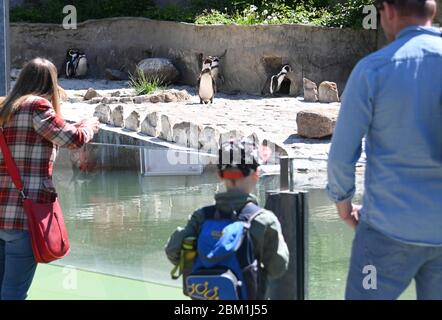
393,98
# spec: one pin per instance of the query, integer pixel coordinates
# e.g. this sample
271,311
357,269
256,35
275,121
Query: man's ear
390,11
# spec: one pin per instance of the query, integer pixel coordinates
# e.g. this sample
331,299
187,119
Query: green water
119,223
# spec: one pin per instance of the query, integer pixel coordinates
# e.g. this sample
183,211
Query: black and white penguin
214,67
276,80
206,84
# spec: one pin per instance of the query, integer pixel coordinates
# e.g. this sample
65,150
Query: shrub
143,84
246,12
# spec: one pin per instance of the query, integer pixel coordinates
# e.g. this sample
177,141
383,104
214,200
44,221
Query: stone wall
253,52
439,12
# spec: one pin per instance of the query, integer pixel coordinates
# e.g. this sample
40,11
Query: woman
34,129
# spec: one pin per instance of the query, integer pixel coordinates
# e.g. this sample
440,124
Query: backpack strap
249,213
212,213
209,212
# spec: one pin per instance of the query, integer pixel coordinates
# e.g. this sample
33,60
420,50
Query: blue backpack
225,267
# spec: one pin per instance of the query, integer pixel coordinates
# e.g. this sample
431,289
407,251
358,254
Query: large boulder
328,92
310,91
317,123
159,68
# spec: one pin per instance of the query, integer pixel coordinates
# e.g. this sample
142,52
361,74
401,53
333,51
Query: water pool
119,223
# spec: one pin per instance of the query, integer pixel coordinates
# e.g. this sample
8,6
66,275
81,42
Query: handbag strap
11,167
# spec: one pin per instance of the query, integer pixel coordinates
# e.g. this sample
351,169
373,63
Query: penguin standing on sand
214,67
276,80
206,83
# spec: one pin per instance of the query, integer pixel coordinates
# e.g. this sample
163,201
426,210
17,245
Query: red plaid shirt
33,135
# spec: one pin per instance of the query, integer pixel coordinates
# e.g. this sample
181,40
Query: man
394,99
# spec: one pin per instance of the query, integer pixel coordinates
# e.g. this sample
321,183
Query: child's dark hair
238,155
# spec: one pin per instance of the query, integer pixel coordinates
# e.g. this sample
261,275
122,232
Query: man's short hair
409,8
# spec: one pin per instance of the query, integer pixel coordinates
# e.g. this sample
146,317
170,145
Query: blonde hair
39,77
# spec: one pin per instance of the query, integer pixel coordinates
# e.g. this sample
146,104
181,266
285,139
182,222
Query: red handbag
46,225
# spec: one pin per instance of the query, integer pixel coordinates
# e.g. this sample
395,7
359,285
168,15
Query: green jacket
269,245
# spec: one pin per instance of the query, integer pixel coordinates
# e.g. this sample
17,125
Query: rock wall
439,12
253,52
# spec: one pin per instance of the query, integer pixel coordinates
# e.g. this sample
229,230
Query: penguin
206,85
214,67
76,63
207,63
276,80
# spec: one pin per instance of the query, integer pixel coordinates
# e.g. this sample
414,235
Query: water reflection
119,223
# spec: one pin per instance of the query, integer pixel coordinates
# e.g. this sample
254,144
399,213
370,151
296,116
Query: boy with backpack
229,250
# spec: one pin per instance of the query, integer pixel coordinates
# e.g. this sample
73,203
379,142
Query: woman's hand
92,123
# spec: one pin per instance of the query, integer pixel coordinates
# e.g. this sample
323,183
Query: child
259,253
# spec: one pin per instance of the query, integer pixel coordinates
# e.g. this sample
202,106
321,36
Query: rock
75,100
117,116
164,96
97,100
103,113
181,95
159,68
272,151
115,75
328,92
187,134
310,91
157,97
317,123
126,100
166,128
142,99
116,94
231,135
254,138
151,124
209,140
132,122
90,93
110,100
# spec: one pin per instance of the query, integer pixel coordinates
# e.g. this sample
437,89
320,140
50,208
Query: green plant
245,12
348,14
143,84
214,17
52,10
